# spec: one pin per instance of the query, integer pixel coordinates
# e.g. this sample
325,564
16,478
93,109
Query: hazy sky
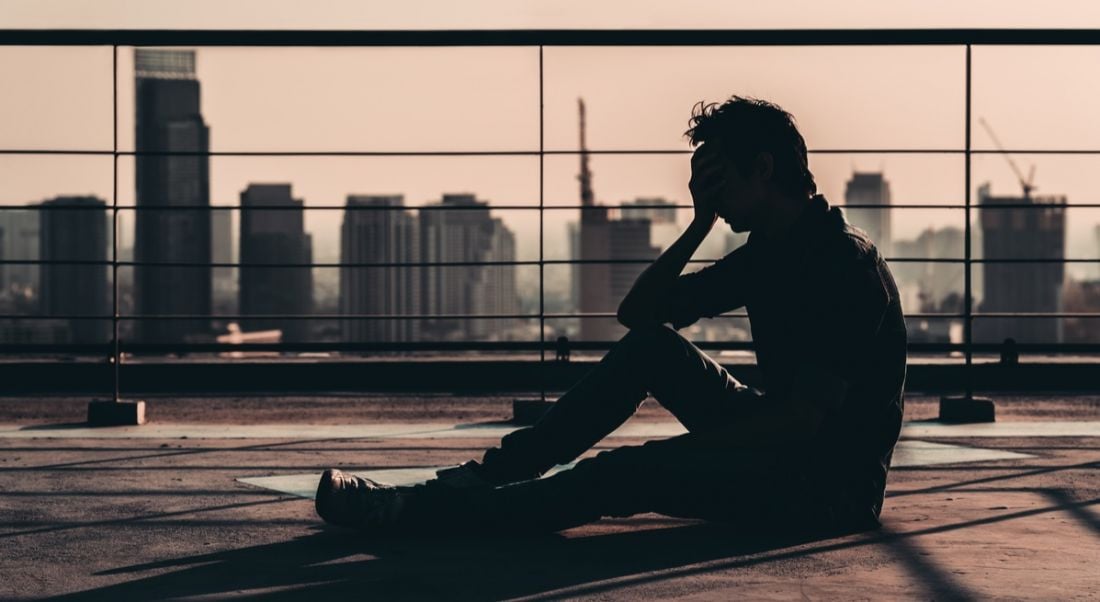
486,99
487,14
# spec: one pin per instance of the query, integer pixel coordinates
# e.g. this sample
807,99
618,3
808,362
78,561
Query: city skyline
168,92
918,104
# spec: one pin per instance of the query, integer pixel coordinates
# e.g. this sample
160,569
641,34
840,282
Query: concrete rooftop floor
160,513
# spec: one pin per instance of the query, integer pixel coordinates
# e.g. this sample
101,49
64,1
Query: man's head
763,157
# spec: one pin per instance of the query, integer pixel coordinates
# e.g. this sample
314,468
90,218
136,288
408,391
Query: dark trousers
685,476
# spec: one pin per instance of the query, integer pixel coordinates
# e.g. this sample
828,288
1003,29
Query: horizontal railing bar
526,153
424,264
490,207
444,346
552,37
474,317
427,207
518,263
459,153
430,207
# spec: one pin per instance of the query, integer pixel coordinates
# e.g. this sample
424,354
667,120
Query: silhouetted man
812,451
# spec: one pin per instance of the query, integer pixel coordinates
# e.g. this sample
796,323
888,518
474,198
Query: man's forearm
652,286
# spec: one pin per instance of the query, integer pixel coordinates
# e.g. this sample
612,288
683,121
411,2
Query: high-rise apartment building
173,198
75,229
1037,230
461,229
872,190
19,242
378,230
606,248
273,232
225,288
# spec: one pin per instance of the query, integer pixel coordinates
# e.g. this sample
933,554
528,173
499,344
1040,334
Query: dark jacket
827,326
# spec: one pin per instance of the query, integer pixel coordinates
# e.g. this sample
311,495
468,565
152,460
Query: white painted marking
907,453
918,430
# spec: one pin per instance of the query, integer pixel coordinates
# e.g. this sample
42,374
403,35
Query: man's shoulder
840,241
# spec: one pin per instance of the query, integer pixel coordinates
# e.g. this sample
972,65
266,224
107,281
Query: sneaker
347,500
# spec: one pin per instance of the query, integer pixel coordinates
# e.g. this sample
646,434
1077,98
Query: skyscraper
461,229
370,235
225,289
871,189
1037,231
19,242
275,236
173,197
75,229
602,239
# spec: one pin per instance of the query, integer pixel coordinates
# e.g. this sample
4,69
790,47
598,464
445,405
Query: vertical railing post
967,408
968,254
542,242
113,411
528,411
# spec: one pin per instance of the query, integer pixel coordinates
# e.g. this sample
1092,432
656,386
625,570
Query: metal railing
116,40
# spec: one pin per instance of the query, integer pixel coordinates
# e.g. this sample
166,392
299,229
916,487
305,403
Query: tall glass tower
173,198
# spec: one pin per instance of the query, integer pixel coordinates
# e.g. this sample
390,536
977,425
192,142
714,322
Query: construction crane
1026,184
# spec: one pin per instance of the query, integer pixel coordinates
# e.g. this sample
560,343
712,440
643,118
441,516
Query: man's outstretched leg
653,360
687,476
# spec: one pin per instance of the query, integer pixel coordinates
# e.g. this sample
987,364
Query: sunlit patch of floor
907,453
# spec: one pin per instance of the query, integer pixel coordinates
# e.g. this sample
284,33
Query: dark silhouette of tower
275,236
19,242
74,228
594,294
1037,232
871,189
603,285
372,235
173,198
461,229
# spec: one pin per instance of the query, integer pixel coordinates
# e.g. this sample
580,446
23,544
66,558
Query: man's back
827,324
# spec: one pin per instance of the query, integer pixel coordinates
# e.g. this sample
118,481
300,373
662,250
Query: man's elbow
632,317
626,317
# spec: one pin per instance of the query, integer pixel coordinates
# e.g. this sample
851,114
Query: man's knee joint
651,335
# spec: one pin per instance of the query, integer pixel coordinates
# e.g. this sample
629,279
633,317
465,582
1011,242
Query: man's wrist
700,222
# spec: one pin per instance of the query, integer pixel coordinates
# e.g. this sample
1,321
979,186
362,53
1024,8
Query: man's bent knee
651,336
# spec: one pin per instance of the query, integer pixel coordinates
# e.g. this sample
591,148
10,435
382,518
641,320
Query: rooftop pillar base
966,409
106,412
529,411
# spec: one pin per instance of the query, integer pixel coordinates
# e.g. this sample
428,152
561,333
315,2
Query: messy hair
744,127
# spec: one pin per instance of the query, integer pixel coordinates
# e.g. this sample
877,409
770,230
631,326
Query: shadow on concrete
338,563
341,563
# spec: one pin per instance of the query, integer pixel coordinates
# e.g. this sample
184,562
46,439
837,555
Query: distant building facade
223,251
1035,231
173,198
273,232
460,228
871,189
74,228
377,229
926,285
19,242
613,252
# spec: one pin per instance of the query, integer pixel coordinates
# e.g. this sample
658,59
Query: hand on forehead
707,159
706,155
